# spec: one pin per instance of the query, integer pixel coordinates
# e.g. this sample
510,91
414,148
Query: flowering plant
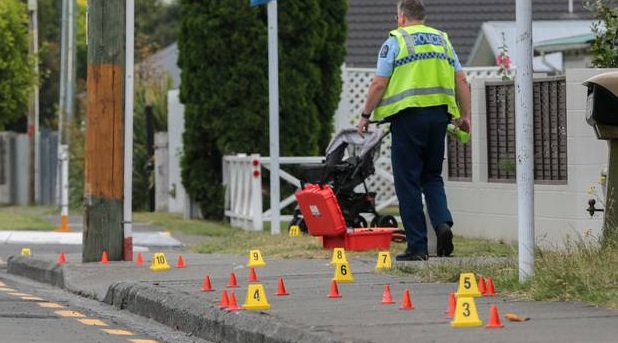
503,61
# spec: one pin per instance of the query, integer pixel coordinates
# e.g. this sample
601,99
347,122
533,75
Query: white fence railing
242,178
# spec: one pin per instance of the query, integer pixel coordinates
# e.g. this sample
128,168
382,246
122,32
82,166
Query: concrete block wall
482,209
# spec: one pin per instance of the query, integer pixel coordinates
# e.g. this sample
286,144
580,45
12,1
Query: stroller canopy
357,145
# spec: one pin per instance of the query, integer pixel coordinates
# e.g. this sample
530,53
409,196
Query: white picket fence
244,192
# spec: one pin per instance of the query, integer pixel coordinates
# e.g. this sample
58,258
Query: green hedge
224,62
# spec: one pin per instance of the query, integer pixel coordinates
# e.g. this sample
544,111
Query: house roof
578,42
369,22
489,40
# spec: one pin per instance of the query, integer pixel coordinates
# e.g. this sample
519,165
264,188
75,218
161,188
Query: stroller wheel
359,221
387,221
302,225
375,221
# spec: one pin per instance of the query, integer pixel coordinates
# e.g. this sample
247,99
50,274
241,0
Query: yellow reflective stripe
409,41
417,91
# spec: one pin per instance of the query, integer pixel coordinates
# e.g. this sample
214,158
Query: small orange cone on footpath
224,300
491,291
61,258
452,304
232,282
232,305
334,290
252,275
387,298
406,302
181,262
281,288
482,286
206,286
140,261
104,259
494,319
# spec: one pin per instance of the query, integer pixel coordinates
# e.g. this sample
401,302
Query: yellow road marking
17,294
6,289
69,313
118,332
2,283
32,298
50,305
142,341
93,322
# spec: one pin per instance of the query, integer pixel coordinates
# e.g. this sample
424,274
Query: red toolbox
323,217
360,239
321,211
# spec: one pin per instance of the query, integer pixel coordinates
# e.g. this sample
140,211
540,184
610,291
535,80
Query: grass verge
586,272
25,218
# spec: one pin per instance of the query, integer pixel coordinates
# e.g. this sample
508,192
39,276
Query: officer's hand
463,123
363,126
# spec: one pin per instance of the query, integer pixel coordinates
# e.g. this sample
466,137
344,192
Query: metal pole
70,68
273,92
128,132
62,98
524,138
37,148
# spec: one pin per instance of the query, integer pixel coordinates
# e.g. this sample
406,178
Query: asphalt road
35,312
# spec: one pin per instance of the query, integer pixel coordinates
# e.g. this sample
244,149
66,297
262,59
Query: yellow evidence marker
384,260
25,252
338,256
294,231
256,298
467,286
343,273
466,314
159,263
255,259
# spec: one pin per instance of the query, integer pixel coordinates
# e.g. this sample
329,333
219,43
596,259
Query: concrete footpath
173,298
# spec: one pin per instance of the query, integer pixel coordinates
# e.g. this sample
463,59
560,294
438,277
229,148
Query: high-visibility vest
423,75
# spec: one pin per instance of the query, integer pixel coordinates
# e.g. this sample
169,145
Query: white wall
175,128
489,210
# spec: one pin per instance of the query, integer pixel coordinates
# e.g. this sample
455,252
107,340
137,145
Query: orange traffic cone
252,276
482,287
491,291
406,302
206,286
104,259
224,300
139,260
334,290
281,288
181,262
452,304
61,258
387,298
494,319
232,282
233,306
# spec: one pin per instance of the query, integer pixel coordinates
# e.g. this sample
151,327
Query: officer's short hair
412,9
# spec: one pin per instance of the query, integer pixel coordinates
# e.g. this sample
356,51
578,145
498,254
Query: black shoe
411,256
445,240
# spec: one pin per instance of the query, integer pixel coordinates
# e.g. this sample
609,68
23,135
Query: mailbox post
602,115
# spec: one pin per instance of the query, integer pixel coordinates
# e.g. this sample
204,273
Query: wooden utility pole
103,216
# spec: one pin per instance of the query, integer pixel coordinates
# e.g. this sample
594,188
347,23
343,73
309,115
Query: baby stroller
348,163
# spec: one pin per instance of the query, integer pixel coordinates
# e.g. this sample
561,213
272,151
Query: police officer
419,87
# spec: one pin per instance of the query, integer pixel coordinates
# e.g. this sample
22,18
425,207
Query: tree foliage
605,45
224,62
17,75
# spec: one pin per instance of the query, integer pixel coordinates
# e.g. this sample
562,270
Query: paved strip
157,239
92,322
50,305
118,332
69,313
